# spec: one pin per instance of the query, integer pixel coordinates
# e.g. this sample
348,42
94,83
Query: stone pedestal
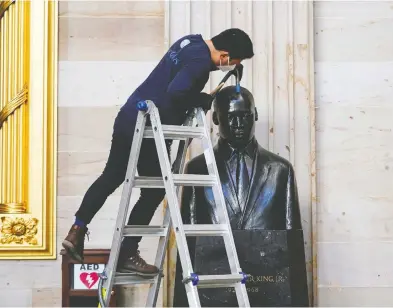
274,259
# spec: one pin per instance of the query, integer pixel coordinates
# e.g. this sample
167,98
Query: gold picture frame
28,128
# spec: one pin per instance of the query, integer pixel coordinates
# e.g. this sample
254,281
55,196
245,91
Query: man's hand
238,71
204,100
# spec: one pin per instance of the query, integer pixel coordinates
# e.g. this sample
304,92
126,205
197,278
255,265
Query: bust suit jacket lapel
259,176
227,186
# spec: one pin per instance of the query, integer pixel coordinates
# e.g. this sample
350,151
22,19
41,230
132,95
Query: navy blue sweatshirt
173,84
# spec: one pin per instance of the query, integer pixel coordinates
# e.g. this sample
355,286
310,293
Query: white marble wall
354,91
106,49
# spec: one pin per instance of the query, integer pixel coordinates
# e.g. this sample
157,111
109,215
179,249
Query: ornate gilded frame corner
28,128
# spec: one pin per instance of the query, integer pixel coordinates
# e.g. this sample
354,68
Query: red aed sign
86,276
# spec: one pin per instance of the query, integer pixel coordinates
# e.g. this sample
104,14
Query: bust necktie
242,179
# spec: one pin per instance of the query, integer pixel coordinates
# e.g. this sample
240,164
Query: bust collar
227,151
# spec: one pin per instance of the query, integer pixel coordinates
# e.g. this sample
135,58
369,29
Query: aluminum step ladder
171,183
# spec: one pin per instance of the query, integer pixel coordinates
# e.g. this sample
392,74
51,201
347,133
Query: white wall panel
110,89
354,90
280,77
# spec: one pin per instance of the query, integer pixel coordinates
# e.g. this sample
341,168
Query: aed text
89,267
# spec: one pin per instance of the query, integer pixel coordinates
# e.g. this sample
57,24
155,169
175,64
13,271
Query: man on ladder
175,86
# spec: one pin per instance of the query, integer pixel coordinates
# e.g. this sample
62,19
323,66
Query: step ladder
171,183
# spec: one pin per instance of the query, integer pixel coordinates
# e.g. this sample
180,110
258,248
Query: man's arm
180,90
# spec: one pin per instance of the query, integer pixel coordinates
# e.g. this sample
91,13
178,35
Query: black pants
114,175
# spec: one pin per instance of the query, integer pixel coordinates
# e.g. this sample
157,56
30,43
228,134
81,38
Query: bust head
235,114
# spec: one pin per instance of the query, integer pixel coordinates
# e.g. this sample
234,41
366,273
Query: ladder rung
176,132
219,281
189,230
141,230
130,279
179,179
205,230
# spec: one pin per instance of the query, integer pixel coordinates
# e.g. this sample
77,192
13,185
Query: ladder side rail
124,206
240,288
178,167
173,203
162,248
159,261
183,144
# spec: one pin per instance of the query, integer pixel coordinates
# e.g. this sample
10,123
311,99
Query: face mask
226,68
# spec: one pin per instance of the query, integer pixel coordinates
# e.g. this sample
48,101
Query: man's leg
111,178
143,211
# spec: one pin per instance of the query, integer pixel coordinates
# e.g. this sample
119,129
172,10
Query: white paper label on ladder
207,157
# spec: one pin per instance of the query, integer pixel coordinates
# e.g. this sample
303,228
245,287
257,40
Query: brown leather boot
75,241
136,265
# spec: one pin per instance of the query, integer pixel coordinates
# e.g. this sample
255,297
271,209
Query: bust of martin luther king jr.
260,192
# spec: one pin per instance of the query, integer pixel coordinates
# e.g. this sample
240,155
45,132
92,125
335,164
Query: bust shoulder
274,159
196,165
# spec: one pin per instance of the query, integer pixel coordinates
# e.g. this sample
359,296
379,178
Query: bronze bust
261,196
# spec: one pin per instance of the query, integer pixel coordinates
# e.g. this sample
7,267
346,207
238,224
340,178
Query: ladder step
176,132
141,230
219,281
205,230
130,279
179,179
189,230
